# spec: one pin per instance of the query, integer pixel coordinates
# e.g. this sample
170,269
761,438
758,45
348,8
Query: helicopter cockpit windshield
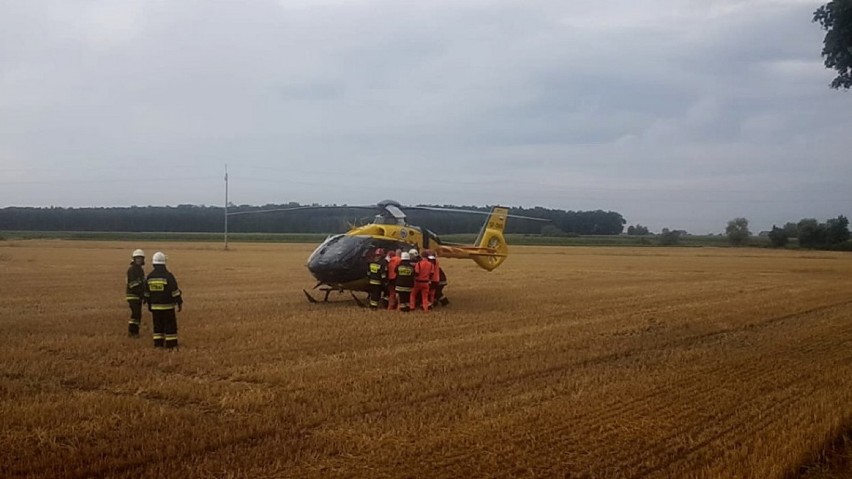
387,220
341,258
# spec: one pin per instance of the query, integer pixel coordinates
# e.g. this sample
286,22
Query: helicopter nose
326,266
319,264
338,259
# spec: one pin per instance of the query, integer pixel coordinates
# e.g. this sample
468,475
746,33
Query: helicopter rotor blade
302,208
470,212
397,212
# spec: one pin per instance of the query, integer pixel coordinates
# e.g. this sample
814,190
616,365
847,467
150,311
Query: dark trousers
404,297
165,328
439,295
375,295
135,317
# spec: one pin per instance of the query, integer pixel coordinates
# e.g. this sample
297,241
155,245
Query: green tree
791,229
778,237
835,17
811,233
837,230
637,230
737,231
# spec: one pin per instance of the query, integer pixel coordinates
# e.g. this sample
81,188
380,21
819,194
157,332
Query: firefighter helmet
413,252
380,251
159,258
138,253
405,256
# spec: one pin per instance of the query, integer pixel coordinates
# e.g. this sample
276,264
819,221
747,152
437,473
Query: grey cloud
655,109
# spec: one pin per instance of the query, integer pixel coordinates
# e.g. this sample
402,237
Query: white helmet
413,252
138,253
405,256
158,258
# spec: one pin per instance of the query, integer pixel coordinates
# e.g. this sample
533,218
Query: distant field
564,362
515,239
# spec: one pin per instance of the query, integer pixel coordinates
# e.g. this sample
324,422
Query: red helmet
391,253
380,251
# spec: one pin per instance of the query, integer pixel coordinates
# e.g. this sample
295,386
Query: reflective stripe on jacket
135,282
161,289
404,277
377,271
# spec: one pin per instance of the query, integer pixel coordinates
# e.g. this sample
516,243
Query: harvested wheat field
564,362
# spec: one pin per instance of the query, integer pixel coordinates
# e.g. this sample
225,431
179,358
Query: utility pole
226,207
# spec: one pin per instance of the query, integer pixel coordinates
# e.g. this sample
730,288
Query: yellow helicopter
340,262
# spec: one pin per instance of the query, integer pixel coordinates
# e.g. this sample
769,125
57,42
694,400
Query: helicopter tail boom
490,249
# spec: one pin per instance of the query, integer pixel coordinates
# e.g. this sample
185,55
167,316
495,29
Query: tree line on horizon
832,235
330,219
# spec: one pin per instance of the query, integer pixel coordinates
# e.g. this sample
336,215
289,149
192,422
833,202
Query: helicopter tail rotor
491,240
490,249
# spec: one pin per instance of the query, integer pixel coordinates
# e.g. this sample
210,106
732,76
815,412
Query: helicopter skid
327,292
311,298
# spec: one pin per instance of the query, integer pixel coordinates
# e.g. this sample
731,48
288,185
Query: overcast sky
678,113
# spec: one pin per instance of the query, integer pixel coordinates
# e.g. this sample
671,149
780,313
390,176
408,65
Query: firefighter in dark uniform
135,292
163,295
377,273
404,282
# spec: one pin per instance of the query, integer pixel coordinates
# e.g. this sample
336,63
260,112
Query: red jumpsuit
422,278
393,262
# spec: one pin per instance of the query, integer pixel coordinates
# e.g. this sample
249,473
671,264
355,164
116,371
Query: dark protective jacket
135,282
161,289
404,276
377,271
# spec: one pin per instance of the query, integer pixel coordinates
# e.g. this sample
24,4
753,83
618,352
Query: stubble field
564,362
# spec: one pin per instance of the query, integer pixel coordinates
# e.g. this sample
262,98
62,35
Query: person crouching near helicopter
435,279
422,278
404,281
414,254
163,295
394,259
438,283
439,292
135,291
377,272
